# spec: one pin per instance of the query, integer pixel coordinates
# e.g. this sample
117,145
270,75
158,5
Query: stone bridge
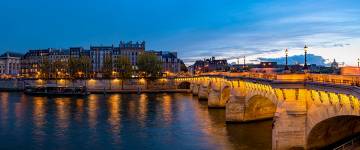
309,111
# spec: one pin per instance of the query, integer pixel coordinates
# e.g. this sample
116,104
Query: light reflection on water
123,121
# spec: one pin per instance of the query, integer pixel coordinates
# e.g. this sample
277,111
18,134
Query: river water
123,121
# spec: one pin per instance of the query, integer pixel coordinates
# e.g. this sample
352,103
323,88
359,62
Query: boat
55,90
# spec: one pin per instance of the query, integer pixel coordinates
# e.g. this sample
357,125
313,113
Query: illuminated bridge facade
309,111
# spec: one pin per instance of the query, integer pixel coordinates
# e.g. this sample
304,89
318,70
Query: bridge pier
215,99
305,115
203,92
234,109
195,89
289,126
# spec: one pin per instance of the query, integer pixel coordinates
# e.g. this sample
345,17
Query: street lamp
244,62
305,64
286,59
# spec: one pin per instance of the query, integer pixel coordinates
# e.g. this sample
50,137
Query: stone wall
96,85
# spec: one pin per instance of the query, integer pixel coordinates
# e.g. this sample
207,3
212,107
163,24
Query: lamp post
244,62
286,59
305,64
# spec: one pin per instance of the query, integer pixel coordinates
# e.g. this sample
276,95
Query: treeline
148,66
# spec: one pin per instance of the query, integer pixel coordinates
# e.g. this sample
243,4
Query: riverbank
140,91
102,85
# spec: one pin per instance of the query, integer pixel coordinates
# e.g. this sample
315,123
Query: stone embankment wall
97,85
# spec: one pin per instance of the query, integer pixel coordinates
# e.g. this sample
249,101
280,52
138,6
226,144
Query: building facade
10,64
210,65
170,62
98,54
130,50
32,60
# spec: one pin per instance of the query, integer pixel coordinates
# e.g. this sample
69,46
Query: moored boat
55,90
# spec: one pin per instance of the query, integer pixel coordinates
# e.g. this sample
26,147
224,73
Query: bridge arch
259,107
184,85
333,129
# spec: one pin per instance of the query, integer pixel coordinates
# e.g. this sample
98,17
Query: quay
309,111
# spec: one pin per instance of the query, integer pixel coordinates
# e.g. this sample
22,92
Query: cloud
276,27
298,59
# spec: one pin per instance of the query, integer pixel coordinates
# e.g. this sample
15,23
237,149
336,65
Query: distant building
61,55
98,55
170,62
210,65
268,65
10,64
32,60
335,65
131,50
77,52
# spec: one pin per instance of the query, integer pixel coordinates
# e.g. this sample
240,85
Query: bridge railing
320,78
335,79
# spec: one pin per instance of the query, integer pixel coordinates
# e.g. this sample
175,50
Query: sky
196,29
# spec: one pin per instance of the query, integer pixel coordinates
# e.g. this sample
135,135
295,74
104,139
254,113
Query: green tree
149,65
80,67
74,67
85,65
183,67
107,67
123,68
45,69
59,68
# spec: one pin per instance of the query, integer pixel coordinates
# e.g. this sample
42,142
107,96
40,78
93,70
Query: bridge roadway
309,111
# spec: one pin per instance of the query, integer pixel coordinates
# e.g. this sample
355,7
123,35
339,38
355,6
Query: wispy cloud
273,31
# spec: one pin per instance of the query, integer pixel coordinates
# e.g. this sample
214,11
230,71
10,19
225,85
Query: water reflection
123,121
166,107
79,110
143,108
62,116
92,110
4,108
114,108
39,114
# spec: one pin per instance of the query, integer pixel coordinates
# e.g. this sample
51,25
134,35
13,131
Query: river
123,121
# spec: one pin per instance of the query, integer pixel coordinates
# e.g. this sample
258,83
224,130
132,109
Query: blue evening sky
194,28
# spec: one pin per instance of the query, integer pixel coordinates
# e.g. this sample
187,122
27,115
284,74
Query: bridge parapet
306,108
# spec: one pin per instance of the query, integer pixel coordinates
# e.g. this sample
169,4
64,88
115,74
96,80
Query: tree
80,67
107,67
183,67
59,68
149,65
123,68
74,67
45,69
85,65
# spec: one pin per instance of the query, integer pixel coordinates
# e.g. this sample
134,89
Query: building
10,64
32,60
170,62
59,55
334,65
130,50
98,54
76,52
210,65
